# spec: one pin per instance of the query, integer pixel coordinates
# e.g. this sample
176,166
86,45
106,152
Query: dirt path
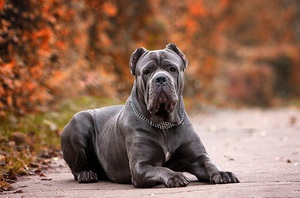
262,147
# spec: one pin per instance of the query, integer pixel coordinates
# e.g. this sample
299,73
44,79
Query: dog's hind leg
78,150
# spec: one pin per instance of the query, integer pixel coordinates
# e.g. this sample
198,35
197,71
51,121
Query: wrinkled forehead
158,58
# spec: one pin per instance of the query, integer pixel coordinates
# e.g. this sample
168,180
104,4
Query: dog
149,140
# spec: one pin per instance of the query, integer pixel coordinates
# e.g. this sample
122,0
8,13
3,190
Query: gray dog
149,140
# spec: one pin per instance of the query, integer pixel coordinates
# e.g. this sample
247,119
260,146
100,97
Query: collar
163,125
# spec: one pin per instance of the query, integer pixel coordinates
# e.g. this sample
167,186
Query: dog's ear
135,57
174,48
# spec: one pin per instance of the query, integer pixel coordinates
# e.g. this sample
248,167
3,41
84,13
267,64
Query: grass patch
25,140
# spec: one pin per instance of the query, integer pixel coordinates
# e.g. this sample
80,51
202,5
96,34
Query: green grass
48,125
294,103
23,138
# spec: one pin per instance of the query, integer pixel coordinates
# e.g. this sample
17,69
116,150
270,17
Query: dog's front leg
193,158
145,176
215,175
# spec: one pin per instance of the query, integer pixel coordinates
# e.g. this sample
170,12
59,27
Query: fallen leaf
18,191
42,175
46,179
33,165
293,120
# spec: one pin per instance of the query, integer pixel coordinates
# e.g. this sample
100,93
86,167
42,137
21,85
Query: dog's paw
177,180
223,178
87,176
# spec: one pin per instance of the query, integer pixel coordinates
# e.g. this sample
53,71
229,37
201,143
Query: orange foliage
109,9
197,9
26,50
2,3
84,46
251,84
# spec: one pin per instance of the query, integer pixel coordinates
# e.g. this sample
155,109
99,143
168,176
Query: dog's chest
167,145
167,156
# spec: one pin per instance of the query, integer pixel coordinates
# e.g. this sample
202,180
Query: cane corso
149,140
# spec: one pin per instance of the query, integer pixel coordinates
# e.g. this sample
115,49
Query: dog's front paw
87,176
177,180
223,178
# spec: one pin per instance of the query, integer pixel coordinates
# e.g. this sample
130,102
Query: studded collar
163,125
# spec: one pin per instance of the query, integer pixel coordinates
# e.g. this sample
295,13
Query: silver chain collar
163,125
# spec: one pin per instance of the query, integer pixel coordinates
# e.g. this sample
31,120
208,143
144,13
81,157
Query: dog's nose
161,79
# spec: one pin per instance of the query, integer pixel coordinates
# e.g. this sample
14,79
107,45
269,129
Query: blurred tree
46,45
220,34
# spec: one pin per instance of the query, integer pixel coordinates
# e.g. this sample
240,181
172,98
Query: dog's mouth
169,107
162,102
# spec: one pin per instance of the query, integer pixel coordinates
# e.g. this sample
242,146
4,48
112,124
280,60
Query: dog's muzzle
162,93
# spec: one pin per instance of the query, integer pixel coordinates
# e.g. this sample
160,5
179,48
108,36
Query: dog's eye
173,69
147,72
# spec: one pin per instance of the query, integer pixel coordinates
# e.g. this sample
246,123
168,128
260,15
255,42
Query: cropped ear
174,48
135,57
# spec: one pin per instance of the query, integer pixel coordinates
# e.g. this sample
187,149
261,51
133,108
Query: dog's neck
176,117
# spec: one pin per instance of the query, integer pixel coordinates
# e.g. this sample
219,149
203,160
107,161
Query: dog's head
159,77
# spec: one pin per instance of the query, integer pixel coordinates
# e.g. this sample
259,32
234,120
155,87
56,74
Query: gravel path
262,147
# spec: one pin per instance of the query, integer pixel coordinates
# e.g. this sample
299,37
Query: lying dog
149,140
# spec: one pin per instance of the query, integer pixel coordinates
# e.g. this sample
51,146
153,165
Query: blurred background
240,52
58,57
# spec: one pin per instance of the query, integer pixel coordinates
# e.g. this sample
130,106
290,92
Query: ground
262,147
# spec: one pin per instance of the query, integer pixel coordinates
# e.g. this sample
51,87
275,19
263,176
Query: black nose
161,79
